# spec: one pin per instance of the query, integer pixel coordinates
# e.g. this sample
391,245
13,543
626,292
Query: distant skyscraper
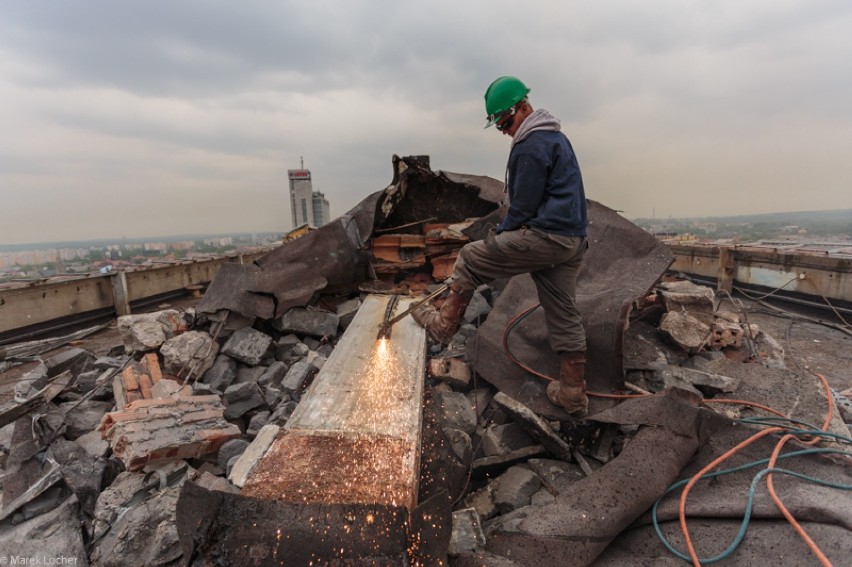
306,205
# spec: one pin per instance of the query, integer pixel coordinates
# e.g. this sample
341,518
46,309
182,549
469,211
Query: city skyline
136,118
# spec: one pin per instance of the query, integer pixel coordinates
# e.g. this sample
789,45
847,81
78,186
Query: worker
543,233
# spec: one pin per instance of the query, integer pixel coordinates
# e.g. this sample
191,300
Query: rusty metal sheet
622,265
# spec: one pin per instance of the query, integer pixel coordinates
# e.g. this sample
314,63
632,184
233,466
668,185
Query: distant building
306,205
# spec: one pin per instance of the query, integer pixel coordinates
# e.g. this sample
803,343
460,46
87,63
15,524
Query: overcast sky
174,117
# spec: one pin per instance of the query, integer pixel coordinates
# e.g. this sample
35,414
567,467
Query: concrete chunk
346,311
247,345
289,349
687,297
536,427
190,353
221,374
229,450
685,330
454,411
145,530
483,502
467,534
83,418
303,321
273,374
295,378
514,488
55,534
452,370
241,398
148,331
708,383
503,439
84,474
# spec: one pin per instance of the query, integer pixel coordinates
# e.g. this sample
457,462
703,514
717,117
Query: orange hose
774,458
692,481
771,487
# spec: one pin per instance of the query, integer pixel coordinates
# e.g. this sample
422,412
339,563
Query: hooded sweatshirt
543,180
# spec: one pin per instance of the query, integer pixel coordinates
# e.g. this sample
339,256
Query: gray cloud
193,111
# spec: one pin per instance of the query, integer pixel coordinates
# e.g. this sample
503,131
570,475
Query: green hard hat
501,95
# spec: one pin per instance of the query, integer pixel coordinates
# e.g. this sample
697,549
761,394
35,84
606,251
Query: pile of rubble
172,402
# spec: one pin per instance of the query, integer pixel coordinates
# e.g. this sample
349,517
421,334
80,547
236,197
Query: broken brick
152,431
135,381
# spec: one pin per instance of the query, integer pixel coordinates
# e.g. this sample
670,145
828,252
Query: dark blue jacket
545,186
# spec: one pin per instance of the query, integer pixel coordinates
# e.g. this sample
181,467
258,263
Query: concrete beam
814,275
27,305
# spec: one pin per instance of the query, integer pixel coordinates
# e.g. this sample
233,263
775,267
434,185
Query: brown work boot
570,391
442,324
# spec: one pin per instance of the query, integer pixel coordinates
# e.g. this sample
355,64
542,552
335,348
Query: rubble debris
148,331
456,412
686,297
189,354
514,488
689,333
482,501
73,359
247,345
467,532
496,464
477,309
580,509
450,369
151,431
94,444
273,374
296,376
52,536
461,444
108,362
535,426
84,474
135,518
15,497
221,374
346,311
241,398
82,417
289,349
168,388
308,322
136,380
260,419
503,439
230,449
708,383
12,411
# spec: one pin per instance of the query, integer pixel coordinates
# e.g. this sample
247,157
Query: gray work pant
553,262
